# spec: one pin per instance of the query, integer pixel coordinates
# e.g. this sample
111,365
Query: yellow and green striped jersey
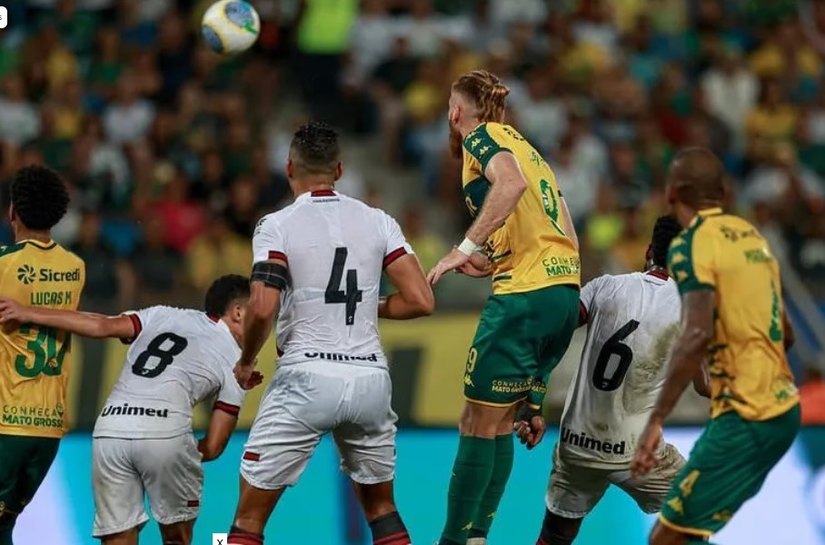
33,378
531,250
749,371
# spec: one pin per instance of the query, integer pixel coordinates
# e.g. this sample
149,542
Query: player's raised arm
270,276
507,186
268,279
99,326
414,297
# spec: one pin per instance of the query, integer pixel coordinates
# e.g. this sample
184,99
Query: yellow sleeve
691,260
485,142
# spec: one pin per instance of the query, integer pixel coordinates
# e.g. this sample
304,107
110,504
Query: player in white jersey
143,437
632,322
320,262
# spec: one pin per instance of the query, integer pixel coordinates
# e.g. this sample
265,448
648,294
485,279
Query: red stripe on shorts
251,456
398,538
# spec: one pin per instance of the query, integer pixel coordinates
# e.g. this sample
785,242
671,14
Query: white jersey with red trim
336,249
178,358
633,321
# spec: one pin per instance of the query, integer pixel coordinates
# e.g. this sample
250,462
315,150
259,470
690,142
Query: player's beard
455,142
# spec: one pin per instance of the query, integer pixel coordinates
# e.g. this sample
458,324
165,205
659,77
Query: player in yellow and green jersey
529,246
35,271
732,314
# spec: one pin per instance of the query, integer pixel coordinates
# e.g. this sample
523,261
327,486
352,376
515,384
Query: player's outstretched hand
530,433
644,460
12,312
449,262
247,376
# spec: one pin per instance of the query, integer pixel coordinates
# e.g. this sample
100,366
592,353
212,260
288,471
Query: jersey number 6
614,346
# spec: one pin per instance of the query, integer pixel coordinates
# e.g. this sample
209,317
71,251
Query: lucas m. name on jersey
589,443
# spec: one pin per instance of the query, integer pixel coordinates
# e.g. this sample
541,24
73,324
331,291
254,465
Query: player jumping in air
320,261
633,320
731,310
33,380
522,223
143,437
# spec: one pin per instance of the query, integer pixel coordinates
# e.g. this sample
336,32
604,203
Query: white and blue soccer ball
230,26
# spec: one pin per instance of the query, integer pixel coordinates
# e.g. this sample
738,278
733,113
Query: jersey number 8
163,349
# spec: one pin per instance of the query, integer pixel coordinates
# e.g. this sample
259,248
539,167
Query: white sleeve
140,320
588,297
231,395
396,244
268,241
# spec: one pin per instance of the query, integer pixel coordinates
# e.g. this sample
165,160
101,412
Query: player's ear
339,170
290,169
11,213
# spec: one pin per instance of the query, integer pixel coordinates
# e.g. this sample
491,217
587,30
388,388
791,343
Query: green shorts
727,467
24,462
520,339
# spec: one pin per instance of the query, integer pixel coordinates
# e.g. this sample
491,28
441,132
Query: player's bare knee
179,533
481,420
662,535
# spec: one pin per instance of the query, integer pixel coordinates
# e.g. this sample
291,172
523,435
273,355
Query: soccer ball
230,26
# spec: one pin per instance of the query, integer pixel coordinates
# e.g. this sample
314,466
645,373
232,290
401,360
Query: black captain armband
272,275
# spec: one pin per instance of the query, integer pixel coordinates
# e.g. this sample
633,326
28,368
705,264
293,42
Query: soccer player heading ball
530,248
732,311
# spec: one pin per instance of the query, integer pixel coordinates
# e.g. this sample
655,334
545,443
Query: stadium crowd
173,152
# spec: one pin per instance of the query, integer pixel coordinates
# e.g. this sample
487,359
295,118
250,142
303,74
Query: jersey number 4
159,354
350,295
614,346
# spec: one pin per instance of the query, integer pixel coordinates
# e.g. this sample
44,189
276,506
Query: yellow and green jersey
749,371
531,250
33,378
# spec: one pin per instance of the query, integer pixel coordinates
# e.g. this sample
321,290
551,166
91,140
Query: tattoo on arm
507,186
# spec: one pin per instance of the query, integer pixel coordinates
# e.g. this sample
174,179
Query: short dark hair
665,230
315,148
224,292
39,197
698,176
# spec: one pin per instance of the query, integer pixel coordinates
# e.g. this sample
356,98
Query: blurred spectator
19,120
109,281
731,92
772,122
628,252
182,219
218,251
428,246
129,117
541,116
786,49
323,36
578,185
157,266
242,211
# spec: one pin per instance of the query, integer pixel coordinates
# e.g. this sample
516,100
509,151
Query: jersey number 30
614,346
350,295
159,354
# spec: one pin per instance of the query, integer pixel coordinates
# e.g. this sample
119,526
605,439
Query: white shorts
575,489
169,470
304,402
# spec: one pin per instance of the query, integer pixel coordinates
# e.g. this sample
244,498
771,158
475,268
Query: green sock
495,490
472,471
